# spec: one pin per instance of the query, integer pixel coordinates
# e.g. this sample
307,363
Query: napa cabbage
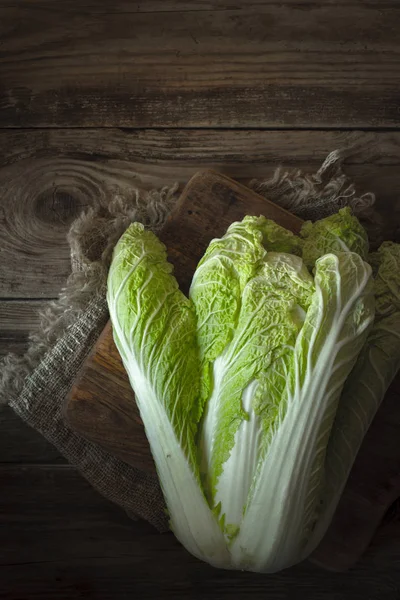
253,388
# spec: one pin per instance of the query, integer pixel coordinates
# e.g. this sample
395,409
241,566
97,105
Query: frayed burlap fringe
36,384
315,196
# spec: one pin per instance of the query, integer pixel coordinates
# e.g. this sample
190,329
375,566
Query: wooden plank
60,504
153,577
94,160
175,149
17,320
144,6
35,254
20,444
60,539
49,176
277,65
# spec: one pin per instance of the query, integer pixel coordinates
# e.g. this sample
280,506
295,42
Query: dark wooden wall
98,96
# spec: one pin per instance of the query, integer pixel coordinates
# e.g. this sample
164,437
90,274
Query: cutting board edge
205,173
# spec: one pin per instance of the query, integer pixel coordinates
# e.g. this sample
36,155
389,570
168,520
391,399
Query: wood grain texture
17,320
270,65
172,63
145,6
47,177
62,540
104,410
20,444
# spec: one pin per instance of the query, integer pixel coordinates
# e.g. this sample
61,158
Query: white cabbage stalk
240,386
365,388
155,331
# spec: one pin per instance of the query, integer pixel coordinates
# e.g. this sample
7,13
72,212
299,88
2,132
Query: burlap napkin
36,385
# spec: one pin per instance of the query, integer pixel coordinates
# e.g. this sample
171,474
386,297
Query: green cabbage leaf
257,389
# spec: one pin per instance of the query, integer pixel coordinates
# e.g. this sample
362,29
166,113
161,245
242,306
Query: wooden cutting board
102,408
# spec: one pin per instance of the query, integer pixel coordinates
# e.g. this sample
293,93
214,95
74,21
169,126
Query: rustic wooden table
99,95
